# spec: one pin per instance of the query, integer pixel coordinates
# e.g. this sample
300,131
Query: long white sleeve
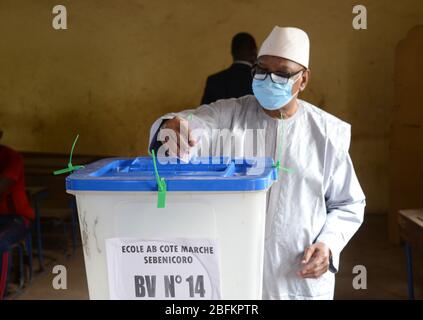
345,203
206,116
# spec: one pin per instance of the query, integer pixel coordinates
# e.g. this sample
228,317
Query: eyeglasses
280,78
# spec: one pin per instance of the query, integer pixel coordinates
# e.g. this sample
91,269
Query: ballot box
161,229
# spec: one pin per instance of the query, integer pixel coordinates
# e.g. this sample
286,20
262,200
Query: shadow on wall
369,101
406,144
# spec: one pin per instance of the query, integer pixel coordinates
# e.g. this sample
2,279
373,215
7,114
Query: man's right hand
178,137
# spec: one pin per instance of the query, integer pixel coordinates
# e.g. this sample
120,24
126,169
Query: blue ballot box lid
200,174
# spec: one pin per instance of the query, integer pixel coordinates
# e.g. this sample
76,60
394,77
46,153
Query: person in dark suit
235,81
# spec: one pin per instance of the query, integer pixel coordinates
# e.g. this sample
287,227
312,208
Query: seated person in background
15,210
235,81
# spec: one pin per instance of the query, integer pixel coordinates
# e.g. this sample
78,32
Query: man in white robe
317,203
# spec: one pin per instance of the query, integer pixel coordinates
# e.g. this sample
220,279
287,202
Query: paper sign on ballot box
163,268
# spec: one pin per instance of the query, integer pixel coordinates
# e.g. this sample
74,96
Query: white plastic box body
235,219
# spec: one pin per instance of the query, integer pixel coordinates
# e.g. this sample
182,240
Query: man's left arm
345,203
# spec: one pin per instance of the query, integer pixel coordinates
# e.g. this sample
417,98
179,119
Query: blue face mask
273,96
